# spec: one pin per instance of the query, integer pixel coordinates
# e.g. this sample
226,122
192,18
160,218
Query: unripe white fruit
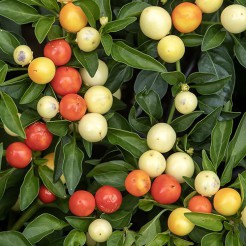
99,99
180,164
243,216
100,76
155,22
48,107
152,162
8,131
185,102
207,183
209,6
100,230
23,55
233,18
88,39
161,137
93,127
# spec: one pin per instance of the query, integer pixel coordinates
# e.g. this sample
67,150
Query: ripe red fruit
45,195
108,199
165,189
200,204
18,155
82,203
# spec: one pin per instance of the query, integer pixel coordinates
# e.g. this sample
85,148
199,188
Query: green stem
17,69
210,22
23,76
26,216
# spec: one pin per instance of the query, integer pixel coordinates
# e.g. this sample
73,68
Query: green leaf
183,122
215,239
29,116
148,231
3,69
211,87
1,156
46,175
9,115
20,13
232,239
42,226
79,223
213,37
150,81
227,172
31,2
211,222
181,242
75,237
107,42
13,238
116,239
72,166
117,25
4,176
146,204
200,78
173,78
237,147
8,42
242,2
150,102
58,127
118,121
219,141
118,219
204,127
88,147
192,39
29,189
105,8
240,51
43,27
236,183
130,238
55,32
132,9
206,162
127,140
32,93
89,60
51,4
121,52
242,189
91,10
160,239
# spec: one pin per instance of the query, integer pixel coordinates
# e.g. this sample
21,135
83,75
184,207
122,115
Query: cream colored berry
23,55
48,107
209,6
185,102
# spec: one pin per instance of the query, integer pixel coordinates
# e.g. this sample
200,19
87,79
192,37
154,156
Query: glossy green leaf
21,13
43,27
181,242
55,32
183,122
9,115
219,141
129,238
107,42
211,87
105,8
150,80
242,2
88,147
13,238
75,237
213,37
91,10
206,162
200,78
215,239
72,166
118,121
236,183
118,219
146,204
4,176
192,39
32,93
242,182
204,127
123,53
79,223
46,175
89,60
232,239
211,222
240,51
160,239
117,25
3,70
127,140
42,226
150,102
29,189
51,4
173,78
32,2
116,239
8,42
148,231
29,116
227,171
132,9
58,127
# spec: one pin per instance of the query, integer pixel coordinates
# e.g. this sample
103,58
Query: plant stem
210,22
26,216
17,69
23,76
